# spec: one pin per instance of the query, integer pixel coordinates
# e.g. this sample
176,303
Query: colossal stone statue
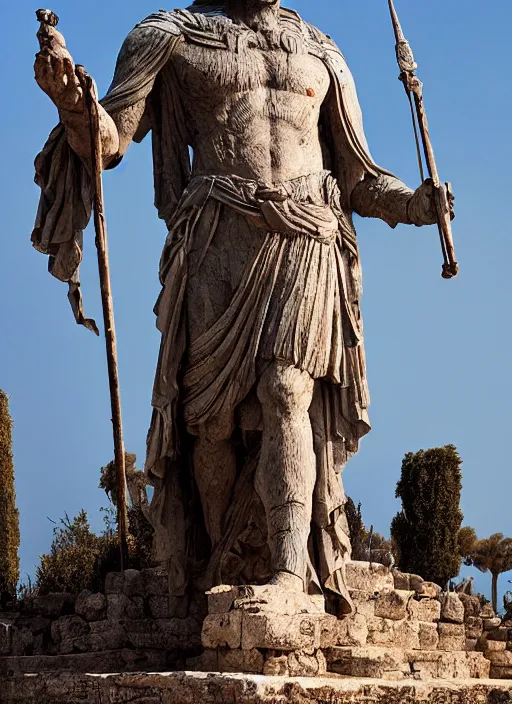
260,395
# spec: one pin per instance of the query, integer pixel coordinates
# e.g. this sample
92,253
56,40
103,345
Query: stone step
398,663
397,604
501,673
186,687
368,578
108,661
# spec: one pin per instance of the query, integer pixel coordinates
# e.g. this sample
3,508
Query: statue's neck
254,14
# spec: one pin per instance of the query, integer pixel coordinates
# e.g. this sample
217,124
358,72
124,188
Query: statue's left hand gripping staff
52,44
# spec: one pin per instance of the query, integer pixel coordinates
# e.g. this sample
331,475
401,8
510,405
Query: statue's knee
215,429
285,387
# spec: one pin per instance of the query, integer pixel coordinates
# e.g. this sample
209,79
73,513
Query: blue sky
438,351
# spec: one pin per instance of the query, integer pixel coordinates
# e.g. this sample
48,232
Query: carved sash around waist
306,205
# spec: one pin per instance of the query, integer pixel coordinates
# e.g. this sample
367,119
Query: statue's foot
284,594
287,581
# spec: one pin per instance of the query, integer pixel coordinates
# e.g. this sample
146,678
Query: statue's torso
253,113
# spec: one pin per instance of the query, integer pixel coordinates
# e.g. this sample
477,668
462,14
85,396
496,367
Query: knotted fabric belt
306,205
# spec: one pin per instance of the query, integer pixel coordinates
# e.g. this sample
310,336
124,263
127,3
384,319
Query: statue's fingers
69,70
57,66
41,58
42,68
42,62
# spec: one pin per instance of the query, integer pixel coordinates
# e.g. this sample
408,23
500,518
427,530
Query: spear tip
404,54
399,34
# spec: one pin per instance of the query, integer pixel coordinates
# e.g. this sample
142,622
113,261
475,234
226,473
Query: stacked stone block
134,625
264,642
496,644
402,627
412,630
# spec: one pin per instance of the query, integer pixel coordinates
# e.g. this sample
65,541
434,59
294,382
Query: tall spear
414,90
48,40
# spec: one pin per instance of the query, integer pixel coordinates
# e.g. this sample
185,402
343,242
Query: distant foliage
9,517
79,559
356,528
108,482
492,555
382,549
426,531
466,541
379,543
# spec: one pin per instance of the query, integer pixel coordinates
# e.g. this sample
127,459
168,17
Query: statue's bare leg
285,477
215,475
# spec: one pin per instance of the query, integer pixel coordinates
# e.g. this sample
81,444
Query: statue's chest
211,74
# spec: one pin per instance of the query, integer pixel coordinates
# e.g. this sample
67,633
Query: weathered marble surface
188,688
261,382
393,633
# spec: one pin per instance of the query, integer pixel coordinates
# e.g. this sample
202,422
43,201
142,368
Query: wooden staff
49,20
442,196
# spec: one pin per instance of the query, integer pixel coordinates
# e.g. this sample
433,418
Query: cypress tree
9,517
356,528
426,532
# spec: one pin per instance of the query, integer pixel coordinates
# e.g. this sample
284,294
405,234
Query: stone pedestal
214,688
401,628
266,630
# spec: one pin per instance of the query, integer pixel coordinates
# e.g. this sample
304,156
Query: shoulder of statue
163,21
180,21
316,35
203,25
200,27
211,27
315,38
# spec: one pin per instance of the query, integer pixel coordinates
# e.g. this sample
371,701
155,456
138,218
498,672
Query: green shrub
79,559
75,558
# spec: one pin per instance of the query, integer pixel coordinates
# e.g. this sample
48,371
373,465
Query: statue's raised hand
55,71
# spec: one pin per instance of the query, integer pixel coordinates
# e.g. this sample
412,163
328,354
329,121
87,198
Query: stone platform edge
214,688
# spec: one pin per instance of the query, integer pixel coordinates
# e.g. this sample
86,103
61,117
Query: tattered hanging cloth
294,303
308,254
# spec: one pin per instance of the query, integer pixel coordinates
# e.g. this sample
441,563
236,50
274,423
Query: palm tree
492,555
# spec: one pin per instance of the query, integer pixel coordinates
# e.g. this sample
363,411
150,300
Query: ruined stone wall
402,627
135,625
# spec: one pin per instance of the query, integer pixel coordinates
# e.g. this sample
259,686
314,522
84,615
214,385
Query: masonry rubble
133,626
401,628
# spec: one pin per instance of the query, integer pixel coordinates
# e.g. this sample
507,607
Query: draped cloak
340,408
